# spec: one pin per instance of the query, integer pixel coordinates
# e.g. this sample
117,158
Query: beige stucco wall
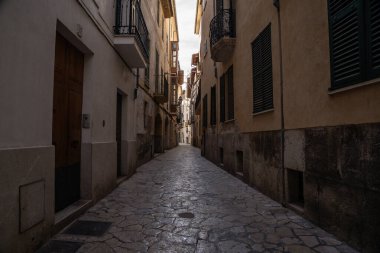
27,48
248,28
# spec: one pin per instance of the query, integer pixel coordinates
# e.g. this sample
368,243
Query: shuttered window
227,105
354,41
213,106
374,38
222,99
205,111
262,71
230,90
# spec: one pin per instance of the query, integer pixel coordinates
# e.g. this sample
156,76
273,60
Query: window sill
263,112
355,86
228,121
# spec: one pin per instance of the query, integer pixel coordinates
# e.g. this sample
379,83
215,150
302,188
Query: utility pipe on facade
276,3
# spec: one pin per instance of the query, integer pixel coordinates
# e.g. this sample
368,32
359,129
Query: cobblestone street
180,202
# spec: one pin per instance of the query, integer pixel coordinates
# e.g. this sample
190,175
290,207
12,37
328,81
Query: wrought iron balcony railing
130,21
222,25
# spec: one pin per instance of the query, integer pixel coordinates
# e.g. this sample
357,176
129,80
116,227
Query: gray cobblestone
229,216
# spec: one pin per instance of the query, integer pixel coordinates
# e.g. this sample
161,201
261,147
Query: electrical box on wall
86,121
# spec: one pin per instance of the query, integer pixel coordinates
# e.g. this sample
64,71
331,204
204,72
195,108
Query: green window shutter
231,110
373,38
205,111
213,106
262,71
222,99
346,42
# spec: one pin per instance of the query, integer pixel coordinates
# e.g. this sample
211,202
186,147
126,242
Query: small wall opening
221,156
295,188
239,163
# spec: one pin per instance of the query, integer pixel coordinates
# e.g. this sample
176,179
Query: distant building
291,105
185,124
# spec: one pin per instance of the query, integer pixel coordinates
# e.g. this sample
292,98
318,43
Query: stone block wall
340,167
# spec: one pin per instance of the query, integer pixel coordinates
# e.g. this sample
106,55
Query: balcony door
218,6
67,130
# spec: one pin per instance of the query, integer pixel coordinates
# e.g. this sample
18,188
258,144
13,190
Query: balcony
167,8
131,35
162,93
173,108
222,35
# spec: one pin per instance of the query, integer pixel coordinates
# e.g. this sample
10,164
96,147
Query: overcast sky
188,41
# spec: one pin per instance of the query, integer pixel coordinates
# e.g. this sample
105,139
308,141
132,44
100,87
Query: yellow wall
307,73
306,66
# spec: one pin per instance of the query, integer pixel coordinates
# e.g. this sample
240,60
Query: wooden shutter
346,31
222,99
205,111
213,106
230,74
262,71
374,38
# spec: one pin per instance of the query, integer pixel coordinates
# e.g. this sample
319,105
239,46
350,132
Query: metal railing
222,25
130,21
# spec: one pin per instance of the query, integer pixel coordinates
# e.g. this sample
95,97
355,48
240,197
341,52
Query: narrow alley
180,202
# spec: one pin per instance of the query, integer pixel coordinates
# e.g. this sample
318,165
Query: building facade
185,134
290,104
85,97
195,99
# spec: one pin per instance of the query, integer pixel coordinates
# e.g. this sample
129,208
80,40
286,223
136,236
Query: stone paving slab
229,216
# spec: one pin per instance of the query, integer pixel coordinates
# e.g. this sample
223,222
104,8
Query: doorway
158,134
119,123
167,136
67,125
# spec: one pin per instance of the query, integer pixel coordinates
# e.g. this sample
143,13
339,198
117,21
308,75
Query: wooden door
67,114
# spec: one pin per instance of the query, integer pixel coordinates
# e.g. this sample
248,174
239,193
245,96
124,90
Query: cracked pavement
229,216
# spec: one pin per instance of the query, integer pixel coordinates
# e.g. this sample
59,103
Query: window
158,12
146,76
239,163
145,114
295,188
205,111
262,71
163,28
227,107
213,106
162,82
354,41
156,80
230,94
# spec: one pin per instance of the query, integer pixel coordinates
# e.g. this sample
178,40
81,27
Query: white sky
188,41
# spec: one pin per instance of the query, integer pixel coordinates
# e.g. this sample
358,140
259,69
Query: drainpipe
276,3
